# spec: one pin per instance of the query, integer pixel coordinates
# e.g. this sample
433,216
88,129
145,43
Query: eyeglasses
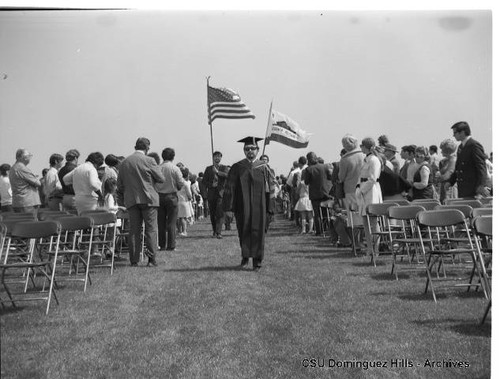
248,148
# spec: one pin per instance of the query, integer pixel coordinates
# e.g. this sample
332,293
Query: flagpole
209,119
268,127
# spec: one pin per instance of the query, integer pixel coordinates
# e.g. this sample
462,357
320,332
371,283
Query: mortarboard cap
250,140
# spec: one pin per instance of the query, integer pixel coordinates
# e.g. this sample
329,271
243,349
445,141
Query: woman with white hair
446,168
349,170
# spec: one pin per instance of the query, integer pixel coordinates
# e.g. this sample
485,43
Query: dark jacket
470,169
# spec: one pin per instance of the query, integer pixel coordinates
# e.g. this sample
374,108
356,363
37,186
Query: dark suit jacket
209,176
136,178
470,168
318,177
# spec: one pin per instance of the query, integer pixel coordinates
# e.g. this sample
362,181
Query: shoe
244,262
257,268
170,248
152,262
219,236
133,264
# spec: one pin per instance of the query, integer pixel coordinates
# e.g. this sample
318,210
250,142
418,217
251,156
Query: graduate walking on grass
249,195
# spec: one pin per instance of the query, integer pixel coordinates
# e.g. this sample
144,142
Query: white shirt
51,182
84,179
5,191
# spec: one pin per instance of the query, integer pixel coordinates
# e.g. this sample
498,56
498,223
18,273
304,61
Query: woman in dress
185,208
304,208
368,188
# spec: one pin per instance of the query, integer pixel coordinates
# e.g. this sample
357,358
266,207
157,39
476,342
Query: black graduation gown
247,195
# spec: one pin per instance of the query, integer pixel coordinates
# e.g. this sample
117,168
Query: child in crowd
184,206
110,198
304,207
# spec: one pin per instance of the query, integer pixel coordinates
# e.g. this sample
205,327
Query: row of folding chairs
59,247
452,242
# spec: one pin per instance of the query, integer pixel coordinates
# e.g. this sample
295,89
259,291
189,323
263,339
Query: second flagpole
269,124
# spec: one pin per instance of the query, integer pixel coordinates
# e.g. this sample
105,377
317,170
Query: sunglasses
248,148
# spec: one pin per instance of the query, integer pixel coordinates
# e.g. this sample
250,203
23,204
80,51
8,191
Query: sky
97,80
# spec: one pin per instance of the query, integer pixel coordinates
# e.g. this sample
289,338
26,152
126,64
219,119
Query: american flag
225,103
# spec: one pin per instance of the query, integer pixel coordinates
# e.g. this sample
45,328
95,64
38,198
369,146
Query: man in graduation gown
248,194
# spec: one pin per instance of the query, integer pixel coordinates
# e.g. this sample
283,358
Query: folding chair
440,227
75,246
483,235
471,203
476,212
357,231
44,215
122,231
27,216
398,202
14,248
104,237
43,237
377,213
404,241
326,215
486,200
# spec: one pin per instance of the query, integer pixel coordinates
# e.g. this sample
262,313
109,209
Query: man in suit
214,180
318,177
470,169
135,190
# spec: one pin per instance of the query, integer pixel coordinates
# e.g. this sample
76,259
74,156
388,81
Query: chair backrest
57,216
483,225
50,215
441,217
85,213
428,204
73,223
405,212
465,209
399,202
486,200
102,218
18,216
380,209
472,203
482,212
35,229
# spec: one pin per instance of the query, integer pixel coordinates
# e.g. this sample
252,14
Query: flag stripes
225,103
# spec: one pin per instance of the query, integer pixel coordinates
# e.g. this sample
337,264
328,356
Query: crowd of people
370,172
166,197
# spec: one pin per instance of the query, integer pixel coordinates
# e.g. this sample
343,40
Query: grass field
311,312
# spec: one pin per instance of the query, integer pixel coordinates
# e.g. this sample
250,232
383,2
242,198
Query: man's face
459,136
26,158
404,154
264,159
217,158
251,151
